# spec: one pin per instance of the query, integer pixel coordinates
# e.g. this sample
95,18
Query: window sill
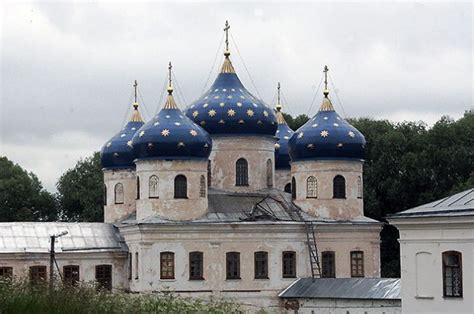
289,277
168,279
452,297
196,279
242,185
423,297
233,279
153,197
259,279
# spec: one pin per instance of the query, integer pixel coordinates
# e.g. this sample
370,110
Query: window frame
311,187
288,271
180,187
38,273
360,188
130,266
269,173
293,188
196,271
138,188
6,272
137,265
209,173
202,186
339,187
104,190
153,180
232,265
167,260
116,187
105,280
357,261
241,172
331,255
444,256
71,274
261,265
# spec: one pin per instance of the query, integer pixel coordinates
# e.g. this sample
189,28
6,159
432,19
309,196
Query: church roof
460,204
344,288
34,237
228,108
327,136
171,135
283,134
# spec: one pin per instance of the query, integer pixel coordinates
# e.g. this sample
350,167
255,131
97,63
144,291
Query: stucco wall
214,240
87,261
194,206
282,178
325,205
227,150
112,211
422,281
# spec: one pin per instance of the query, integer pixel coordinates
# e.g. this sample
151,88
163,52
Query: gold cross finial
326,90
170,87
135,103
226,30
278,106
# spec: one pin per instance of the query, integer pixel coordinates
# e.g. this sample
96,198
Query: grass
21,297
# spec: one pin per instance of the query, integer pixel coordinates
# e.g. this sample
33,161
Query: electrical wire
127,111
160,100
213,64
183,100
142,102
337,96
314,97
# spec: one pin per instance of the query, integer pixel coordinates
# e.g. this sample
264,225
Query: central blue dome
171,135
283,133
327,136
228,108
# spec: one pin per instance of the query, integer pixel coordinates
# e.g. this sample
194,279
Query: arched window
269,173
288,188
241,172
105,195
293,188
452,274
180,187
208,173
311,187
339,187
202,190
360,191
153,187
138,188
118,193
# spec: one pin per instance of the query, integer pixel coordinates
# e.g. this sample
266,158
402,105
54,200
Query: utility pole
52,258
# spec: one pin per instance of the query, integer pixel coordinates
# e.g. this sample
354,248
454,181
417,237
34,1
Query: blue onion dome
228,108
117,153
327,136
171,135
283,134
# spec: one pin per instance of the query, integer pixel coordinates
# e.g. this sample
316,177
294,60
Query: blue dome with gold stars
227,108
283,134
327,136
171,135
117,153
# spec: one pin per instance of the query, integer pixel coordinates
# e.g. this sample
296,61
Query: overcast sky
67,69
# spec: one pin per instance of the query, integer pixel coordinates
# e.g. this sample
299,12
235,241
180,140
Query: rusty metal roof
34,237
344,288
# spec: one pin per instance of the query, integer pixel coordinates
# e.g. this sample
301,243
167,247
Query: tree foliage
22,197
80,191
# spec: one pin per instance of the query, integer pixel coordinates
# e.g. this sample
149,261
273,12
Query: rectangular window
167,265
233,265
289,264
328,262
103,276
452,274
196,266
136,265
37,274
130,266
261,265
6,272
357,264
71,274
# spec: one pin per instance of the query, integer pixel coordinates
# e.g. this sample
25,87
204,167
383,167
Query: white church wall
282,178
117,209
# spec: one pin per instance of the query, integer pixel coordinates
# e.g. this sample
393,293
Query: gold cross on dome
226,30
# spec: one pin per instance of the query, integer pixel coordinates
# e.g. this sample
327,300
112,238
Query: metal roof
268,205
34,237
344,288
460,204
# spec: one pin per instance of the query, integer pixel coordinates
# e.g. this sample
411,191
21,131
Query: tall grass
21,297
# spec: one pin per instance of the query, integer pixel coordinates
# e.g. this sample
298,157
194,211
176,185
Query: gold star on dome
195,113
141,133
259,122
300,135
130,144
277,146
109,144
116,154
310,146
241,121
193,132
230,96
231,112
224,90
156,123
340,145
335,124
242,97
205,105
203,122
250,112
165,132
265,113
211,113
351,134
239,104
180,144
206,145
315,125
221,104
221,121
150,145
324,133
216,97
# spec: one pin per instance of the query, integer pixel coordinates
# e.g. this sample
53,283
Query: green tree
297,122
80,191
22,197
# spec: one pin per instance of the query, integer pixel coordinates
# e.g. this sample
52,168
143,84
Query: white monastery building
224,199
